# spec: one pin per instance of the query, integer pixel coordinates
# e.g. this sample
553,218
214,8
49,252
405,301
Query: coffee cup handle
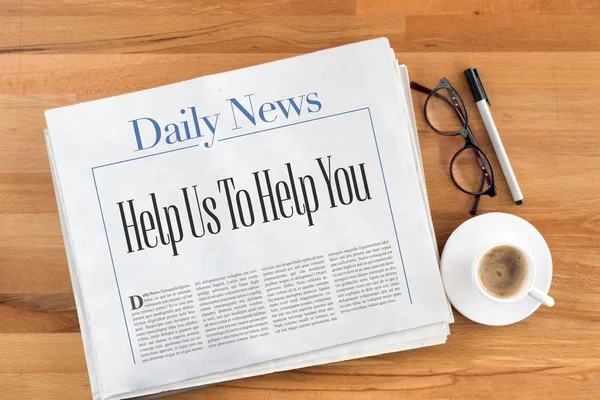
541,297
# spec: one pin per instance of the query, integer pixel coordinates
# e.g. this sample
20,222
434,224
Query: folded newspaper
258,220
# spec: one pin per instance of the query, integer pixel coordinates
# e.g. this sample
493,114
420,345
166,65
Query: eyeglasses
470,169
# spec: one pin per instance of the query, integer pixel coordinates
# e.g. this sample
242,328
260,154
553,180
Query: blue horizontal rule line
292,124
146,156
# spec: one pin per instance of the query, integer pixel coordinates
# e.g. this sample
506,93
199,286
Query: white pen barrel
507,170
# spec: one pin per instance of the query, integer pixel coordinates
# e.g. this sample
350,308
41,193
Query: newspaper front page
244,217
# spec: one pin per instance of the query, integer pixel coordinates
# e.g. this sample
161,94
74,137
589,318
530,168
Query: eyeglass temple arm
419,88
477,197
474,205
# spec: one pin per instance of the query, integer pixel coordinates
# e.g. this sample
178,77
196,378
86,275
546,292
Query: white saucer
476,234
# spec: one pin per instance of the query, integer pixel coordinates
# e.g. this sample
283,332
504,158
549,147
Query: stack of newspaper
259,220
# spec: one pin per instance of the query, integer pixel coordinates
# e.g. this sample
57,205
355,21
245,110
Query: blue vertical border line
106,232
390,204
113,266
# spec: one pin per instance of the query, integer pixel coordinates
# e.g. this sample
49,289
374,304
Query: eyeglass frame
467,134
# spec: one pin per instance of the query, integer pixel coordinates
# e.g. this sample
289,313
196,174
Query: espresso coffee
503,271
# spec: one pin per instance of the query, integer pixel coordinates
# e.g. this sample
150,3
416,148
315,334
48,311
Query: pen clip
479,81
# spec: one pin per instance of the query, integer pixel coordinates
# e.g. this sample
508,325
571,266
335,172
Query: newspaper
263,219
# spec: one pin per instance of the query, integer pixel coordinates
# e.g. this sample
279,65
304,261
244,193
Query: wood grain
541,64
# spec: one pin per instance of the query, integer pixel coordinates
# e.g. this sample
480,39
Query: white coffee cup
528,289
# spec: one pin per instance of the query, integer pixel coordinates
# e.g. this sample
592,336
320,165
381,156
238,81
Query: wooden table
541,64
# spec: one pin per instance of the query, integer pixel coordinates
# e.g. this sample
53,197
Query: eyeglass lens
467,170
443,111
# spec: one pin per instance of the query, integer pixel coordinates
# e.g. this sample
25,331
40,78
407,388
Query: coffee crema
503,271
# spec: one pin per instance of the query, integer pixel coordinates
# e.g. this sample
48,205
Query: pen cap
476,85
